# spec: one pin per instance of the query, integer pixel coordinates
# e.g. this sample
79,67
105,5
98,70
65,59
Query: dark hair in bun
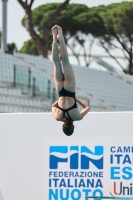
68,127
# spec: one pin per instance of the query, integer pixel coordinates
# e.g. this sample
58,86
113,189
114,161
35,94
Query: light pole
4,25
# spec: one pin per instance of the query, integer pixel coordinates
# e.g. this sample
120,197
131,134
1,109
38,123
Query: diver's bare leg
69,77
58,74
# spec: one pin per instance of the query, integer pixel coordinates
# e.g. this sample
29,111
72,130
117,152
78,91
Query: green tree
40,40
91,27
74,28
29,48
12,47
118,20
111,25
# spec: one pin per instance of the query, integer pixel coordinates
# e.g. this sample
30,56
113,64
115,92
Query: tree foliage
118,19
41,14
67,15
12,47
111,25
77,21
40,39
29,48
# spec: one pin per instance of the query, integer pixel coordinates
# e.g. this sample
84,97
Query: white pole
4,25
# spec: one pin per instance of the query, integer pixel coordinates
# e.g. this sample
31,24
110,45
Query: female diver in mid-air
65,109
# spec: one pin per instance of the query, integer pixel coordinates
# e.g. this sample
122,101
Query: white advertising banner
89,166
38,161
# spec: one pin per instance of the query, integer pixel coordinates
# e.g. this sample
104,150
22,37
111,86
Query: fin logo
76,156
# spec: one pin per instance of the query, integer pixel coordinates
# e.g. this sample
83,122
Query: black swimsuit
65,93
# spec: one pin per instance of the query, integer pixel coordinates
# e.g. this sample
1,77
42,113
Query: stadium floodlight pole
4,25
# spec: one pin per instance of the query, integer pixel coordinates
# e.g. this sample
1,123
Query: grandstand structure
27,85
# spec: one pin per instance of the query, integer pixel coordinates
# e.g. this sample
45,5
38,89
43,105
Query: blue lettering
50,173
119,150
65,174
78,194
55,174
114,171
55,181
127,149
74,157
127,159
55,160
100,174
118,156
111,159
99,183
62,183
69,183
49,182
111,149
86,160
60,174
100,193
90,183
126,171
86,191
67,194
81,183
76,174
53,194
